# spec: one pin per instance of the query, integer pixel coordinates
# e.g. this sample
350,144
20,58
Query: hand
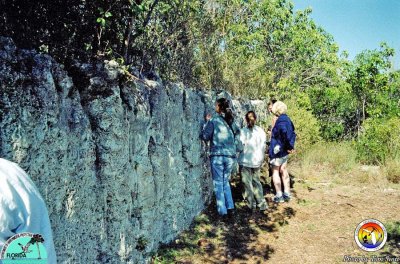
292,151
208,117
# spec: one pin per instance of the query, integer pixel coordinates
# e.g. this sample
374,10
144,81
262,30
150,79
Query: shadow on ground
211,239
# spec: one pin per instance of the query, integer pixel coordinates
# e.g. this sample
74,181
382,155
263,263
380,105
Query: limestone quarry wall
119,163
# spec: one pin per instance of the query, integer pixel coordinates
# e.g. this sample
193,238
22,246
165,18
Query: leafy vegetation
253,48
380,141
307,127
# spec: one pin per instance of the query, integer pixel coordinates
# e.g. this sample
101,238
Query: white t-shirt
22,208
253,143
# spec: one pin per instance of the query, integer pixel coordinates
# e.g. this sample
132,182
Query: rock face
119,164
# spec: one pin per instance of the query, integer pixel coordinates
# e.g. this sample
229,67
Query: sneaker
263,206
287,197
278,199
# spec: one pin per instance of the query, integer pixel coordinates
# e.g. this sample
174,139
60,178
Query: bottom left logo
24,248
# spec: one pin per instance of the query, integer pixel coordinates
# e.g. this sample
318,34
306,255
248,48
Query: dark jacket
221,135
283,137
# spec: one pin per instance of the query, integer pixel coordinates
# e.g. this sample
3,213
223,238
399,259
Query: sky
357,25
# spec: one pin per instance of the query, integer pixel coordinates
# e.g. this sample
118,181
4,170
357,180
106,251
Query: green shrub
306,125
379,141
332,131
393,231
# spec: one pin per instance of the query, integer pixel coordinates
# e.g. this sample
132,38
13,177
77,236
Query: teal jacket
221,135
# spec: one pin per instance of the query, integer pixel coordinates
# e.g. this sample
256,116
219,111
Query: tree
369,79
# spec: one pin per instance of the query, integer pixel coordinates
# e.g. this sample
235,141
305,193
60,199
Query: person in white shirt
22,208
253,141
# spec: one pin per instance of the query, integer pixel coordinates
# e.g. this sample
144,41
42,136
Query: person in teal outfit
220,130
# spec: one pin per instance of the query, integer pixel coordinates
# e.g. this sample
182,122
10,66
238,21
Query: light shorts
279,161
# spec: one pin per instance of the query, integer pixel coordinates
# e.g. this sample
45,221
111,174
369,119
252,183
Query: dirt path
317,226
325,217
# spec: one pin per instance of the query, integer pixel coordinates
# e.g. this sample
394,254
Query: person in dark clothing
282,144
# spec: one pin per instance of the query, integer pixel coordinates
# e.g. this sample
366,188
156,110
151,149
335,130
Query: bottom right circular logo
370,235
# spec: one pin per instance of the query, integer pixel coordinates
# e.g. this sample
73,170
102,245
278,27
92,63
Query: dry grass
336,157
337,163
393,170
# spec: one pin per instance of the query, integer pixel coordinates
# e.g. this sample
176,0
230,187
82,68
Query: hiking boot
287,197
278,199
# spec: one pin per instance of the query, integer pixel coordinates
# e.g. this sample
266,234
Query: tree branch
128,33
147,20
